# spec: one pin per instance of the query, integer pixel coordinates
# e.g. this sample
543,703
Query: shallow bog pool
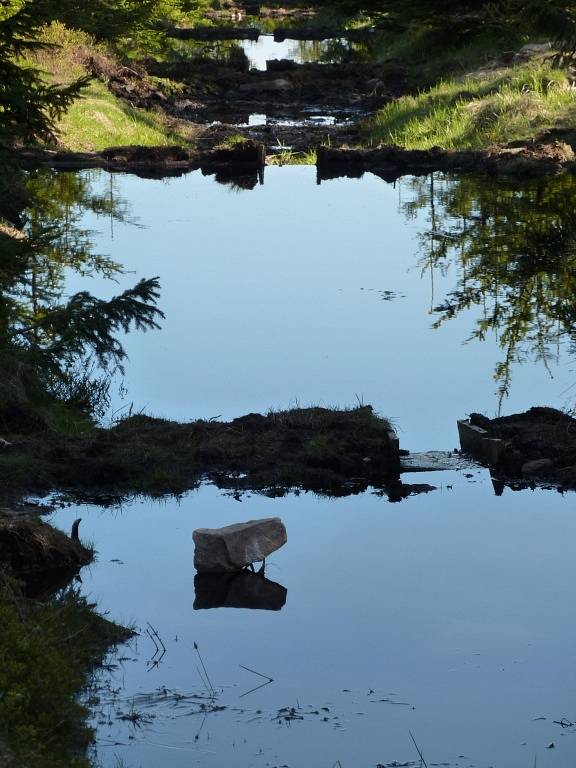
441,624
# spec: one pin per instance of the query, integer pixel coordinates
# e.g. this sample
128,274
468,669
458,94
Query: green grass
101,120
47,651
231,141
479,110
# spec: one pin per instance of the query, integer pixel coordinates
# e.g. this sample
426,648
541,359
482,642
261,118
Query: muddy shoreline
327,451
524,450
302,108
243,159
207,88
545,155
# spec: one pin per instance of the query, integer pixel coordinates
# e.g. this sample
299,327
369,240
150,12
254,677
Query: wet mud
247,159
207,86
242,159
544,155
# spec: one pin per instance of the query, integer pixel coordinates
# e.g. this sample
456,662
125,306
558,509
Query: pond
441,619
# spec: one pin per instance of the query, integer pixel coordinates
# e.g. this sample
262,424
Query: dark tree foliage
453,21
104,19
28,105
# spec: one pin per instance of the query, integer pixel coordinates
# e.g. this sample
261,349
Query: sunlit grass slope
100,120
479,110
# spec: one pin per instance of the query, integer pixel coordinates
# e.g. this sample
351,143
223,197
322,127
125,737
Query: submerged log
229,549
322,33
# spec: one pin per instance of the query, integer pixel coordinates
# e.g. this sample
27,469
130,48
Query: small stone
222,550
537,467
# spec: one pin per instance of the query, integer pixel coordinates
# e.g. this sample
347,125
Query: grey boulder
222,550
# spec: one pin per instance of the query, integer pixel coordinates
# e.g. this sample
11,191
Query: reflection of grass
478,110
288,157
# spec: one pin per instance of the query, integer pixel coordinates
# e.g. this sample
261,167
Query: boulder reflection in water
238,590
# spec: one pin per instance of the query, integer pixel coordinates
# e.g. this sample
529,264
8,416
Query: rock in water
221,550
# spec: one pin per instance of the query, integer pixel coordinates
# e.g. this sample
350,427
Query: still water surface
300,51
317,294
447,615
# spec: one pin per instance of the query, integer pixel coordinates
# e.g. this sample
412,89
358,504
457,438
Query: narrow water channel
255,55
266,48
446,616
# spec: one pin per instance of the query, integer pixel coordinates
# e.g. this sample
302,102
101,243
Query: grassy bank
313,448
98,119
479,110
47,651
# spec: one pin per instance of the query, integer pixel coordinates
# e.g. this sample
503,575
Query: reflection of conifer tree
514,250
43,335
